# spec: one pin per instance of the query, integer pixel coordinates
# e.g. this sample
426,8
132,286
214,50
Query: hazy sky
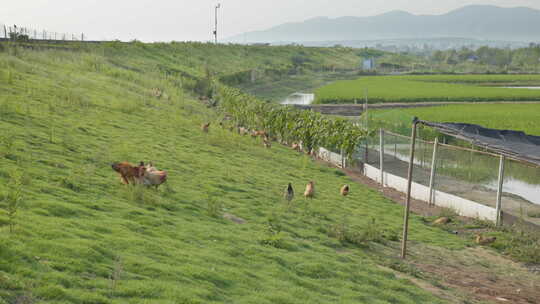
166,20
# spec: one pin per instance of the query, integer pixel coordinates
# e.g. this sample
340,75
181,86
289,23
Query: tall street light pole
215,28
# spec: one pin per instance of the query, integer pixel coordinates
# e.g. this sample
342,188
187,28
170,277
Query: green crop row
518,79
432,88
521,117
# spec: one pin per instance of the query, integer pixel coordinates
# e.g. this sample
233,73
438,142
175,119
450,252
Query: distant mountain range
481,22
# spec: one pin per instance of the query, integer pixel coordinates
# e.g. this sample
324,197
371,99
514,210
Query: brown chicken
480,239
129,173
242,131
296,147
153,176
258,133
442,221
344,190
267,142
310,190
205,127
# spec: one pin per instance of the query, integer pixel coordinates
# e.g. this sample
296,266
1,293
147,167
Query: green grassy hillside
79,236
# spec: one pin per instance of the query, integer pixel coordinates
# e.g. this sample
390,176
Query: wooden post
500,189
366,125
409,185
432,175
366,155
366,106
381,155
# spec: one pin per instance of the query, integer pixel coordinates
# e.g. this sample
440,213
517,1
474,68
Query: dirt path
475,274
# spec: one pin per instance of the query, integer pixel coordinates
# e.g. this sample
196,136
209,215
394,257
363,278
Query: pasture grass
79,236
433,88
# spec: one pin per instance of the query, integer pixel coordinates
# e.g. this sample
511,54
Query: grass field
79,236
414,88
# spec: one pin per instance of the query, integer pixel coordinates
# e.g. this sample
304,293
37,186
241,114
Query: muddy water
530,192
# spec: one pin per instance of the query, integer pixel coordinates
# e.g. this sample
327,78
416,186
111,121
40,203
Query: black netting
515,144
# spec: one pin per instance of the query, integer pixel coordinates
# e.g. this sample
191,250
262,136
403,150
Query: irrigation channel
466,174
299,99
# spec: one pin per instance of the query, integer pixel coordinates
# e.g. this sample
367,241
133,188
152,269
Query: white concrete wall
330,156
463,206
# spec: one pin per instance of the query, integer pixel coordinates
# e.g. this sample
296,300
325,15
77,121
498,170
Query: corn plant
289,124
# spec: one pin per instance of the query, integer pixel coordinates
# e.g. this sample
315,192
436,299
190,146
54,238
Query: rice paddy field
519,116
422,88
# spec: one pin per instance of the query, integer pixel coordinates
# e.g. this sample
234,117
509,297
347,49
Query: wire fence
462,178
24,33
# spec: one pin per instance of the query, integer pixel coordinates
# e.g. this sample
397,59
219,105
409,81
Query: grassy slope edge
82,237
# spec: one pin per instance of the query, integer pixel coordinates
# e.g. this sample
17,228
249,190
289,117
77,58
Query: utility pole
216,24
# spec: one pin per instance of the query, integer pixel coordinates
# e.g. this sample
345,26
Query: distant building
473,58
368,64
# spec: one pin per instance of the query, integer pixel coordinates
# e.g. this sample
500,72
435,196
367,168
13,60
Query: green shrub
361,235
214,208
521,243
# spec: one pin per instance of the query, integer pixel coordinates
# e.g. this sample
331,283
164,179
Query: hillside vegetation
70,232
79,236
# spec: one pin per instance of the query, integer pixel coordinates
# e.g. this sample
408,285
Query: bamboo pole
366,156
381,155
432,175
500,189
409,185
